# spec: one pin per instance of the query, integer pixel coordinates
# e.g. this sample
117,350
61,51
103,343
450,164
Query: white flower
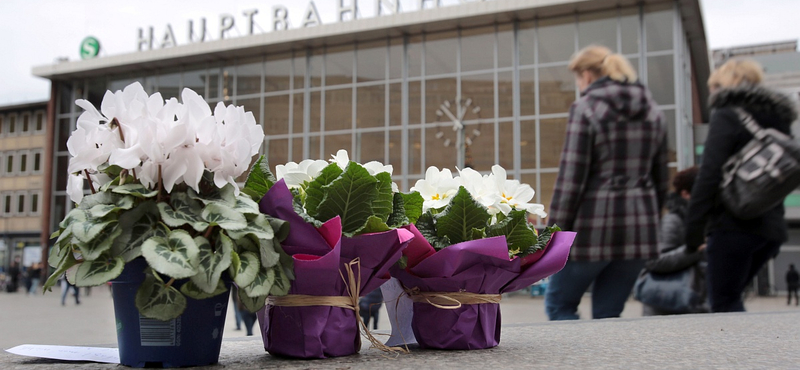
375,167
437,188
515,194
75,187
295,174
341,159
481,188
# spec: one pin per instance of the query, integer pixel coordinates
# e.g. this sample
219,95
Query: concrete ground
41,319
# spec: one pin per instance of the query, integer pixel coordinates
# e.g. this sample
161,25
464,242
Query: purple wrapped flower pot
320,259
480,267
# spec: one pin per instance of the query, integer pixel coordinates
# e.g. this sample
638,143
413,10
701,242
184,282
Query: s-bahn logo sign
90,48
278,19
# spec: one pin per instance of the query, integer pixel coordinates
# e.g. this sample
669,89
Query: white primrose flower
437,188
340,158
481,188
514,194
295,174
375,167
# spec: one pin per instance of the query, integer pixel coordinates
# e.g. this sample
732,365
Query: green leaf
92,250
246,243
478,234
226,195
427,227
191,290
412,203
211,263
175,255
245,266
137,190
182,210
281,284
99,198
520,234
93,273
542,240
101,210
280,228
266,251
259,180
138,225
89,228
350,196
246,206
252,304
298,208
382,206
66,260
55,234
258,226
262,284
374,225
224,216
460,216
398,217
286,261
315,193
157,301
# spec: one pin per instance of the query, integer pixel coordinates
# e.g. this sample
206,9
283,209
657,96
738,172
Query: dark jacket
792,279
726,136
672,257
612,180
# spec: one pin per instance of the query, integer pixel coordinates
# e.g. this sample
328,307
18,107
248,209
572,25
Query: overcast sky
37,32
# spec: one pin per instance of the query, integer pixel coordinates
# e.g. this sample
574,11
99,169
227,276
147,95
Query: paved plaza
41,319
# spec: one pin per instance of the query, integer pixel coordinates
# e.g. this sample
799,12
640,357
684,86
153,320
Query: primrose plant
162,176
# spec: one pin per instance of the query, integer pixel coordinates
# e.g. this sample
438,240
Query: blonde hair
602,62
736,72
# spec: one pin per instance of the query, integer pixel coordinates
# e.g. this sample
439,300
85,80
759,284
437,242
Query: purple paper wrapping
478,266
319,255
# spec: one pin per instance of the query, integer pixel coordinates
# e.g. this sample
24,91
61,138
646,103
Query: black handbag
678,292
762,173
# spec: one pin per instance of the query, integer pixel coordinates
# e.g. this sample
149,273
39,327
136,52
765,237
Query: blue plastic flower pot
192,339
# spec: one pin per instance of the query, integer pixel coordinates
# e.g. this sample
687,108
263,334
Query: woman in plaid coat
611,186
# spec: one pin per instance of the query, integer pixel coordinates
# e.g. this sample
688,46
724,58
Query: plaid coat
612,180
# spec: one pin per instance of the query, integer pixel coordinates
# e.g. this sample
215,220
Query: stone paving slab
711,341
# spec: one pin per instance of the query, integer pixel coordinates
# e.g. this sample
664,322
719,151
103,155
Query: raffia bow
350,302
451,300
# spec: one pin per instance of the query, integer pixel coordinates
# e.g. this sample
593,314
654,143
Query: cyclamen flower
437,188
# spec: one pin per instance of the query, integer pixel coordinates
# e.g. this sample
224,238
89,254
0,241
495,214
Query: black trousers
734,258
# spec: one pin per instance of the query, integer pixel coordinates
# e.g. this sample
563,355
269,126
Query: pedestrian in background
34,274
65,287
369,307
676,283
611,185
13,276
736,248
792,285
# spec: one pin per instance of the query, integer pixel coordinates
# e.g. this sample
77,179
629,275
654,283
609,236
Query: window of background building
34,203
26,122
2,126
23,162
2,164
39,121
9,165
12,124
20,204
7,204
37,161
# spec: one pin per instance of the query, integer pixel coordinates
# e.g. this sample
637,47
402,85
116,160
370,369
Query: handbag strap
750,123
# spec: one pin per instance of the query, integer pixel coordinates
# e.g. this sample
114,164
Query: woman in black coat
736,248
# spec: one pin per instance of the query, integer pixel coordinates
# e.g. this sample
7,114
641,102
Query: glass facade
394,100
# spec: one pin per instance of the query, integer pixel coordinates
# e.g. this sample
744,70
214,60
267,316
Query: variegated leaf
156,300
101,197
65,262
139,224
92,250
191,290
137,190
74,216
245,243
245,267
246,205
224,216
91,273
101,210
282,284
252,304
226,195
87,230
182,210
175,255
258,226
262,283
211,263
269,257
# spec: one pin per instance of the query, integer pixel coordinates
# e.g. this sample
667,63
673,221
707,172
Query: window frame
22,116
6,204
29,203
13,171
31,158
18,162
35,115
3,129
16,203
15,124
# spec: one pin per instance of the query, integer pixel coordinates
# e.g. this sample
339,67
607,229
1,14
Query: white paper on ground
68,353
400,309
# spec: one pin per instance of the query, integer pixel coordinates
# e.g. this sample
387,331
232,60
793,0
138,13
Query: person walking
34,274
792,285
369,307
611,185
65,287
672,258
736,248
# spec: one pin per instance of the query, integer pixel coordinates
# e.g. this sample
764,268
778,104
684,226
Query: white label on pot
157,333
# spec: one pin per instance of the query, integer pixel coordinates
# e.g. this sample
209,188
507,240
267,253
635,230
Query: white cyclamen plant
363,195
162,177
472,206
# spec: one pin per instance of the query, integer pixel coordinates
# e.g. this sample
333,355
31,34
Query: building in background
388,87
781,62
23,141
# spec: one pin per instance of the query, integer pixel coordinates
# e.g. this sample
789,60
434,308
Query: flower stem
160,185
169,283
91,186
115,122
208,232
